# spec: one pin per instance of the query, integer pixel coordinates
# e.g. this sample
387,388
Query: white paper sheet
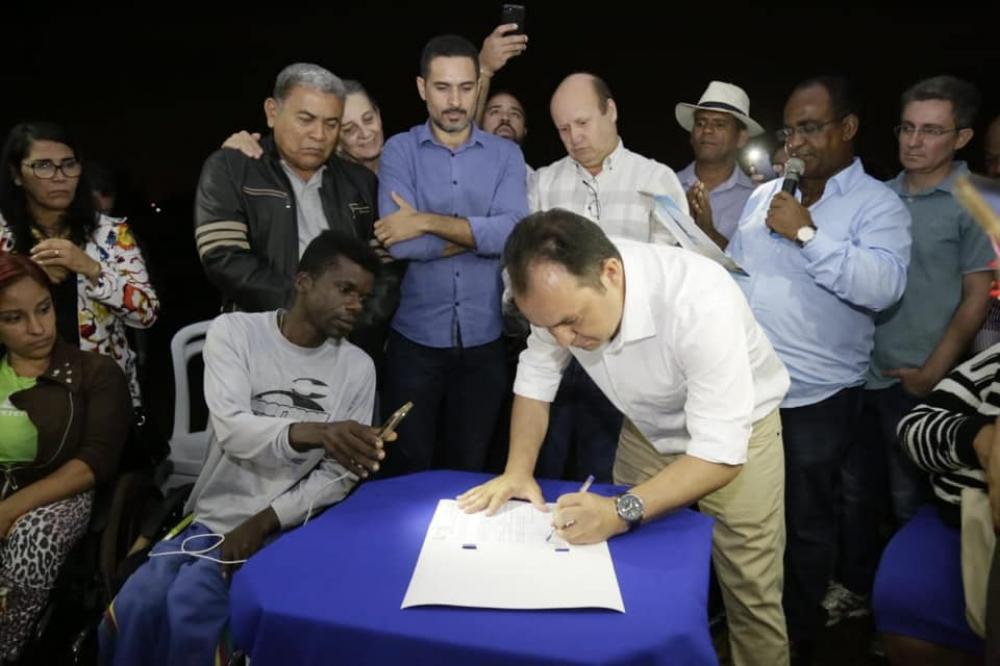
688,234
511,565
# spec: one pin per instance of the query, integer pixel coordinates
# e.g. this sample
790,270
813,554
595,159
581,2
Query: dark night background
152,93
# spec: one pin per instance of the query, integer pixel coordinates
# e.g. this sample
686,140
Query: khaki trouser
748,542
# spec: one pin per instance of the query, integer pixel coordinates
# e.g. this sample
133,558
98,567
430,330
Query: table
330,592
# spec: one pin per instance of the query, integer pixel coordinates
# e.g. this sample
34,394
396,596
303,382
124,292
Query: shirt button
454,182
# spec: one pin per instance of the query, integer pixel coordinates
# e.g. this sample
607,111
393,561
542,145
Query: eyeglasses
928,131
805,130
594,202
46,169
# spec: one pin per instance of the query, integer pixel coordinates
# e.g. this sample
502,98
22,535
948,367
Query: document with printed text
504,561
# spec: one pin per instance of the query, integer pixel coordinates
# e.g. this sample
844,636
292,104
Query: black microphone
793,171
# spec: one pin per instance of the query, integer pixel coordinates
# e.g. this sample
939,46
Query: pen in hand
584,488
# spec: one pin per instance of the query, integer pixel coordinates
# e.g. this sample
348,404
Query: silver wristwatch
631,509
805,234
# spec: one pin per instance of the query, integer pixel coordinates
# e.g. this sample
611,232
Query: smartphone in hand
513,14
397,416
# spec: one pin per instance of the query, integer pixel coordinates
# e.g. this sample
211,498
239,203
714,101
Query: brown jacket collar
64,367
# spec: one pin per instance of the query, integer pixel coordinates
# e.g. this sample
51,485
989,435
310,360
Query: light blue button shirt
727,199
817,303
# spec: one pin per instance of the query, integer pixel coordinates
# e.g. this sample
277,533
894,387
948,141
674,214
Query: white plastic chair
187,449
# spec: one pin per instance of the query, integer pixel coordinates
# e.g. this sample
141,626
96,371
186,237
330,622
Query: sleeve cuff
966,435
719,452
288,512
481,234
97,464
534,391
285,449
103,289
819,247
537,383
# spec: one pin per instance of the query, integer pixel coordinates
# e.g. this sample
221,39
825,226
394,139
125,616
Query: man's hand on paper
494,493
582,518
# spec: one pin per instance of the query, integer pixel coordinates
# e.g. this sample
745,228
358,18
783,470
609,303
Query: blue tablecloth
330,592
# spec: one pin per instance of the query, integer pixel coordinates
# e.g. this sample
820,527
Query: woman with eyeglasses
98,275
64,416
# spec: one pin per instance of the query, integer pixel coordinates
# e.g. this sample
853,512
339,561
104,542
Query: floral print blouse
123,295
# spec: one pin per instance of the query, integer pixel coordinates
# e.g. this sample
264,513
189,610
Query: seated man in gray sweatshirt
290,402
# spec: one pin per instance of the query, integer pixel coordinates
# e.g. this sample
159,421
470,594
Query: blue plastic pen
584,488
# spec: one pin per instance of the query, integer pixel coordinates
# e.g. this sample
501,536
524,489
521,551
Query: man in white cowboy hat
720,126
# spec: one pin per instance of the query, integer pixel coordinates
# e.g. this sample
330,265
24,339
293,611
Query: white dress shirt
689,366
611,198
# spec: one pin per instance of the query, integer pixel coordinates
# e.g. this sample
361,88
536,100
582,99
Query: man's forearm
682,483
305,436
716,237
529,420
964,325
453,229
266,522
482,94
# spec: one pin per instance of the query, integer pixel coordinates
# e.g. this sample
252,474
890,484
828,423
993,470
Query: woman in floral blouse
99,279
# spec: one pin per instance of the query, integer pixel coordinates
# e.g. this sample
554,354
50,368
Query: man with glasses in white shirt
601,180
821,263
668,337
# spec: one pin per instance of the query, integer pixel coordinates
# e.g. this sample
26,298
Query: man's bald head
586,117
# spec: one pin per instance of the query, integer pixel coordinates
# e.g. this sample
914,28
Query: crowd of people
358,272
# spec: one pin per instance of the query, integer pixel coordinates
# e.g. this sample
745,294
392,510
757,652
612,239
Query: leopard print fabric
30,559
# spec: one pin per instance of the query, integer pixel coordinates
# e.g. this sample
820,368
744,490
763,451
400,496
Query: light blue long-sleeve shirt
817,303
483,181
